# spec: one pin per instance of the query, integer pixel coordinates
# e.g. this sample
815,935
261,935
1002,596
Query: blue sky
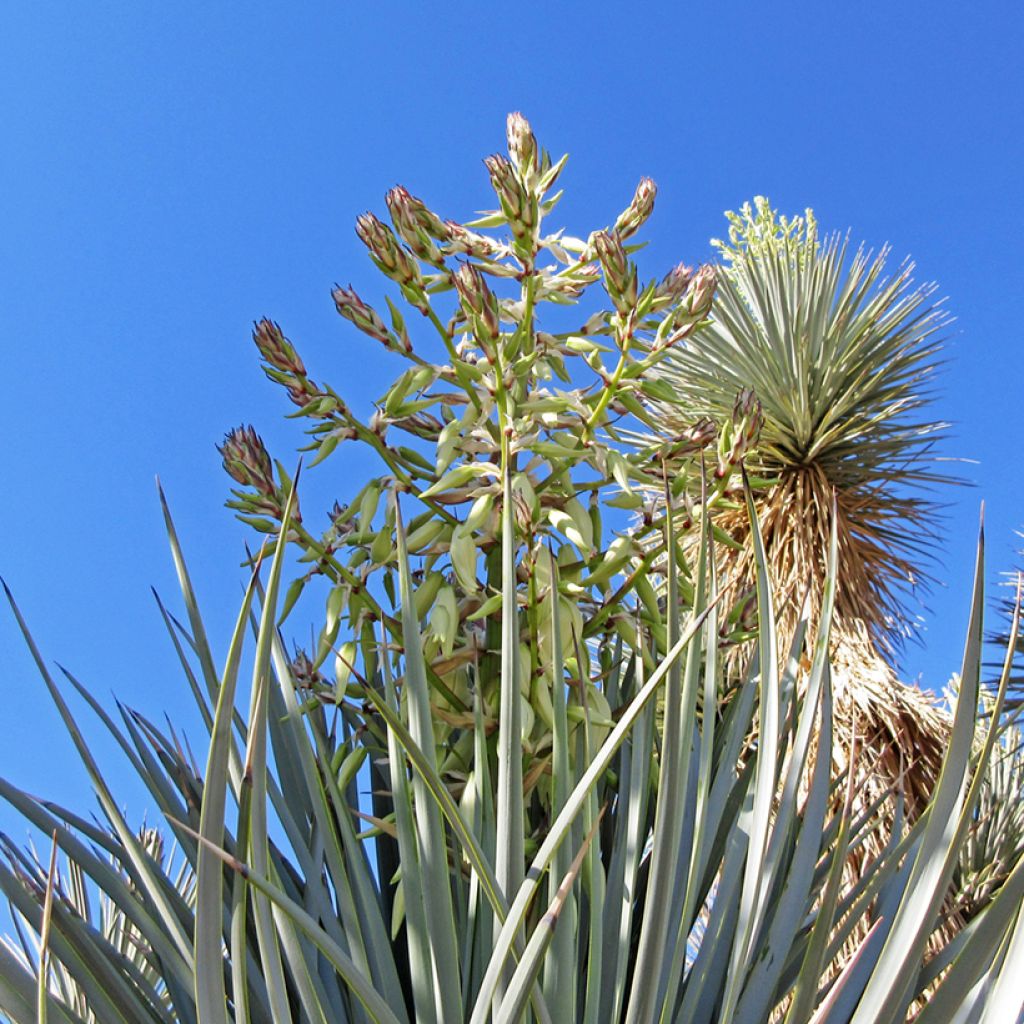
171,172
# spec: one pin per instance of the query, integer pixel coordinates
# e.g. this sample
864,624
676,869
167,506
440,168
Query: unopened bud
365,317
519,206
304,673
748,416
691,440
573,281
741,433
503,180
461,240
385,251
701,433
701,291
247,461
522,145
673,285
415,224
378,422
619,274
422,424
633,217
477,299
276,349
681,321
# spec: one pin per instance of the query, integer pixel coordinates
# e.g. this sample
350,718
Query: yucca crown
841,356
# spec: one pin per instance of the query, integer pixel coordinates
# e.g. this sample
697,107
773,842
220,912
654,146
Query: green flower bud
365,317
385,251
276,349
478,300
416,225
619,274
460,240
673,285
247,461
633,217
522,145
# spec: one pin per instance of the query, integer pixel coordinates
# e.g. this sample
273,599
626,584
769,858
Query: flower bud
276,349
573,281
691,440
748,417
461,240
365,317
619,273
633,217
304,672
385,251
477,299
522,144
741,433
673,284
415,224
701,433
518,205
507,188
247,461
701,291
681,321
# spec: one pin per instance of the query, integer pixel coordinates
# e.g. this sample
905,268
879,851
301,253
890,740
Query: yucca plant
516,835
841,355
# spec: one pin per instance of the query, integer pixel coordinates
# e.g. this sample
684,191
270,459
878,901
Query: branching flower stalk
509,400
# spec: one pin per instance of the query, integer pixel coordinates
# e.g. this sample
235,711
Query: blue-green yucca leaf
256,777
564,821
971,952
374,1003
560,968
421,970
627,852
480,925
1006,995
752,896
113,987
124,896
211,995
656,952
140,863
889,989
200,643
509,848
17,994
433,856
522,981
342,857
803,837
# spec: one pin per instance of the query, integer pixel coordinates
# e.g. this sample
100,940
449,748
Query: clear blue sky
171,172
